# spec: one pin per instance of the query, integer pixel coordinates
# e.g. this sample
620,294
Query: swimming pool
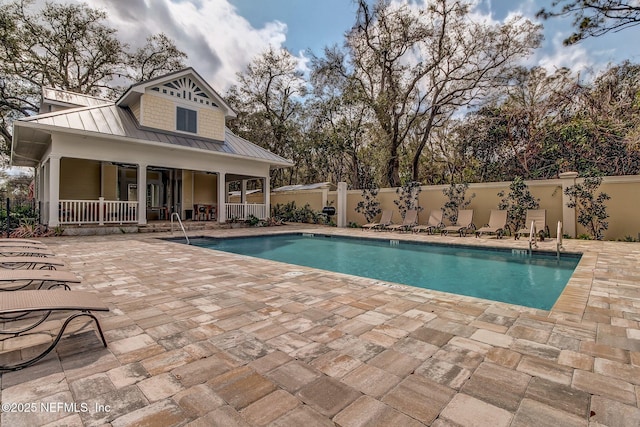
510,276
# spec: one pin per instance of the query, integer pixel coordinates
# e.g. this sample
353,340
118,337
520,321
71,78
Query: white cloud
218,41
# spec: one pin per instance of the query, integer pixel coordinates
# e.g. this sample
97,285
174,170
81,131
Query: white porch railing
98,212
242,211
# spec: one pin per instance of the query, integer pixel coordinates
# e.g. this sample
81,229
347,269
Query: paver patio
205,338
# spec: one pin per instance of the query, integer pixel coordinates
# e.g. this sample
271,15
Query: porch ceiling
28,146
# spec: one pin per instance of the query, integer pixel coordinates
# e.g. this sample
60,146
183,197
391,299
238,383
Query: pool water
510,276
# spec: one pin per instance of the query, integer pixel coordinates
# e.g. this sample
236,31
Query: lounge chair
410,220
30,263
43,303
464,223
14,280
385,220
12,240
42,252
434,223
30,245
497,224
539,216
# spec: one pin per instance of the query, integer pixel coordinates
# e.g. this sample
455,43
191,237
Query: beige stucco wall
79,179
301,198
622,207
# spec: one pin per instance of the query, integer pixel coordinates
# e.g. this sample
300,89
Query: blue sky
316,24
222,36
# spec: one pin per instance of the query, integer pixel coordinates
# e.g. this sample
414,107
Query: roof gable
186,85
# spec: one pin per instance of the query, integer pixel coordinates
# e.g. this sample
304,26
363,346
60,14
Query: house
162,147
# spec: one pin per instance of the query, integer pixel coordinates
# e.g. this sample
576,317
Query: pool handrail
559,236
181,226
532,237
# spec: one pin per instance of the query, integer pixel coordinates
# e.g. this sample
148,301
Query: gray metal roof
65,97
113,121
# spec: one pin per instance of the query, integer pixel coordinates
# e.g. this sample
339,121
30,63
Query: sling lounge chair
12,240
497,224
385,221
434,223
22,245
43,304
410,220
464,223
42,252
30,263
539,216
14,280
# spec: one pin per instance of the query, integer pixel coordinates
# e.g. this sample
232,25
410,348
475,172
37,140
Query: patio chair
434,223
464,223
497,224
385,221
12,251
410,220
539,216
42,304
14,280
30,263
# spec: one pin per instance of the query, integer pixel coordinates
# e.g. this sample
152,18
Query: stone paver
464,410
204,338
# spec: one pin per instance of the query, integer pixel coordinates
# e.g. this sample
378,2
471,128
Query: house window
187,120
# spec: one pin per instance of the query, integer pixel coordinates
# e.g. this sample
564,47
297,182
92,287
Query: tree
268,99
158,56
67,46
593,18
415,67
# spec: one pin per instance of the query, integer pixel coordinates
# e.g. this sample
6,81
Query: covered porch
102,193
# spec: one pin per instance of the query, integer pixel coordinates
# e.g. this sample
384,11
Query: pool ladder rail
559,246
533,242
181,226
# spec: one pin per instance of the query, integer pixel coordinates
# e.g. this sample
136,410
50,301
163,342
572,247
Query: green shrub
592,212
456,193
517,202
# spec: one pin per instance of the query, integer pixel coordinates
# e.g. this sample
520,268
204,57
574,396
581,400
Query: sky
221,37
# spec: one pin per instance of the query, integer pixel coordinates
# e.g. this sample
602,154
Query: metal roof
315,186
112,121
65,97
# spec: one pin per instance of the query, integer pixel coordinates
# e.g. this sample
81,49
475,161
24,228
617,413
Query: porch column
266,194
54,190
142,194
44,170
341,209
222,198
243,191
